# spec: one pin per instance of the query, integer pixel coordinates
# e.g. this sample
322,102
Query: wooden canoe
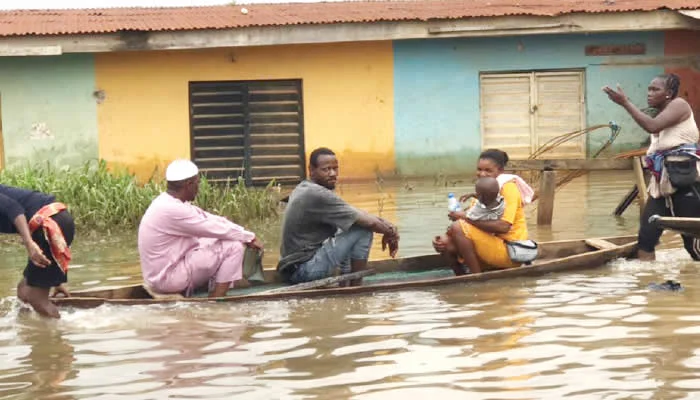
684,225
414,272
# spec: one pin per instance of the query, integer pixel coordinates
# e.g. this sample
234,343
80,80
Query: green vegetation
104,201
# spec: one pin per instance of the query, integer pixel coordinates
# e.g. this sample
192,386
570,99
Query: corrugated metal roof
83,21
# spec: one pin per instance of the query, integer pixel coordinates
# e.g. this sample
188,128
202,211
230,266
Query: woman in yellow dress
477,243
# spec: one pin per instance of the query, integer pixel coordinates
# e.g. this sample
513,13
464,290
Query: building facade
387,101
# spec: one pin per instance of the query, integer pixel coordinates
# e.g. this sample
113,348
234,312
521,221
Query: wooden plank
319,283
545,201
276,160
600,244
568,164
274,119
632,153
641,182
291,129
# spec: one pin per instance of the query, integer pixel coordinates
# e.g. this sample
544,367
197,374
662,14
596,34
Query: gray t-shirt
313,214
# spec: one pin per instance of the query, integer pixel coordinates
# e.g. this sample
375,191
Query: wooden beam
586,165
600,244
641,182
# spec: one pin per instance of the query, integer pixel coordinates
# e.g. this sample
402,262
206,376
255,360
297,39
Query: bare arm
23,229
33,249
376,224
498,226
13,211
675,112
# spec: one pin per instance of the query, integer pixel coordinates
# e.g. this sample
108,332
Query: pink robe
183,247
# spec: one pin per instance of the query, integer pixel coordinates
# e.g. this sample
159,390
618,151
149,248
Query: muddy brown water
597,334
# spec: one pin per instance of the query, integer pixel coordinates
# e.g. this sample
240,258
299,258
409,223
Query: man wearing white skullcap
183,247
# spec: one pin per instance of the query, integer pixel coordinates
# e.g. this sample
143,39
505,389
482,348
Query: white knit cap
179,170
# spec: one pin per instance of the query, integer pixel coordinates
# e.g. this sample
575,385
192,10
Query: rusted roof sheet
83,21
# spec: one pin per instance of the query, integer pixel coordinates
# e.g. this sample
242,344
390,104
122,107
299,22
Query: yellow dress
491,248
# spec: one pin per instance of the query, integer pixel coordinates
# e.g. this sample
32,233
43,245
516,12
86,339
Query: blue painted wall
48,109
436,89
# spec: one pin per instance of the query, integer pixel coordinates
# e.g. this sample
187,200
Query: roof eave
349,32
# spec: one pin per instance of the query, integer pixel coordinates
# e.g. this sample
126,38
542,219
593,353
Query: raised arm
676,111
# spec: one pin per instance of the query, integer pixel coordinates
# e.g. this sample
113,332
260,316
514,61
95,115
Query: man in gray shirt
321,231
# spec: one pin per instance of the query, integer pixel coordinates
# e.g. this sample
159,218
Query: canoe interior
418,271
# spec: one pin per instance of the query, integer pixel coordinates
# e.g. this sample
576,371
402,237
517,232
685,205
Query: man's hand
61,289
391,241
36,255
255,244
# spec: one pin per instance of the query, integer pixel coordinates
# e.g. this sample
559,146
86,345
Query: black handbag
682,174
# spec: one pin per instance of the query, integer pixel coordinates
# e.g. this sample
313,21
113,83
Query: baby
489,205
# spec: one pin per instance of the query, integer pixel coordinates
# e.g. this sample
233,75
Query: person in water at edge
47,230
673,132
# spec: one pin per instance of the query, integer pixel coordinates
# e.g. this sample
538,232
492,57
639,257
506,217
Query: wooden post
545,202
641,182
626,201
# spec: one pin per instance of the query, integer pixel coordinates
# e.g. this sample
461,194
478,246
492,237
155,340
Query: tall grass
102,200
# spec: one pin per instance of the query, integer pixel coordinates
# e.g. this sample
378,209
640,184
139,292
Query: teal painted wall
436,90
48,96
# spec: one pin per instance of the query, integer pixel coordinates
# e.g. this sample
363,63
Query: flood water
598,334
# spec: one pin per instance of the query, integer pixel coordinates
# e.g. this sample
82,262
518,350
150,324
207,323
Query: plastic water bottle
453,203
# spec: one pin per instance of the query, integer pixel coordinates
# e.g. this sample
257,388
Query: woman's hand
455,215
36,255
439,245
618,97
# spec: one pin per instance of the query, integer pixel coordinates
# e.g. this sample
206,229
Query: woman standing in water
671,158
476,242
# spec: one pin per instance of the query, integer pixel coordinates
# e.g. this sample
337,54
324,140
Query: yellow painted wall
347,93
